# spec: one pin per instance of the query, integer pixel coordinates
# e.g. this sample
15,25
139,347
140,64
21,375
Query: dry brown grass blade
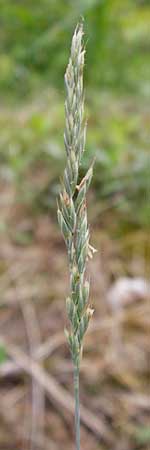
44,350
57,394
36,421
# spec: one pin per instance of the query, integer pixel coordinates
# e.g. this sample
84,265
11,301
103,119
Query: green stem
77,406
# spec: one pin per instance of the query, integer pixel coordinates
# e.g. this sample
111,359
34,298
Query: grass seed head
72,213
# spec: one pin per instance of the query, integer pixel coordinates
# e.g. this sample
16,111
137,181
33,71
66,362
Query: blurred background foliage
34,47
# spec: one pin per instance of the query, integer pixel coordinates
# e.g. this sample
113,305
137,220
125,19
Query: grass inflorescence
72,210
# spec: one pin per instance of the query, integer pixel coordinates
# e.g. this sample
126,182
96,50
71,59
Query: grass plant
72,212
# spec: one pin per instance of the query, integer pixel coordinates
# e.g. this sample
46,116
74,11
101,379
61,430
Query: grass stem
77,406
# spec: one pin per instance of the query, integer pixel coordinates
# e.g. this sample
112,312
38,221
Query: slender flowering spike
72,212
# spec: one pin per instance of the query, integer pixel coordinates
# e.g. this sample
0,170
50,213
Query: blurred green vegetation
3,354
142,435
34,47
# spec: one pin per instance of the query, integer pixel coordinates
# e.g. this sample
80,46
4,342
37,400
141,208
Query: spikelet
72,212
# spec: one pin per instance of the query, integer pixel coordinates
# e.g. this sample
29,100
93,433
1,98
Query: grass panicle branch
72,211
